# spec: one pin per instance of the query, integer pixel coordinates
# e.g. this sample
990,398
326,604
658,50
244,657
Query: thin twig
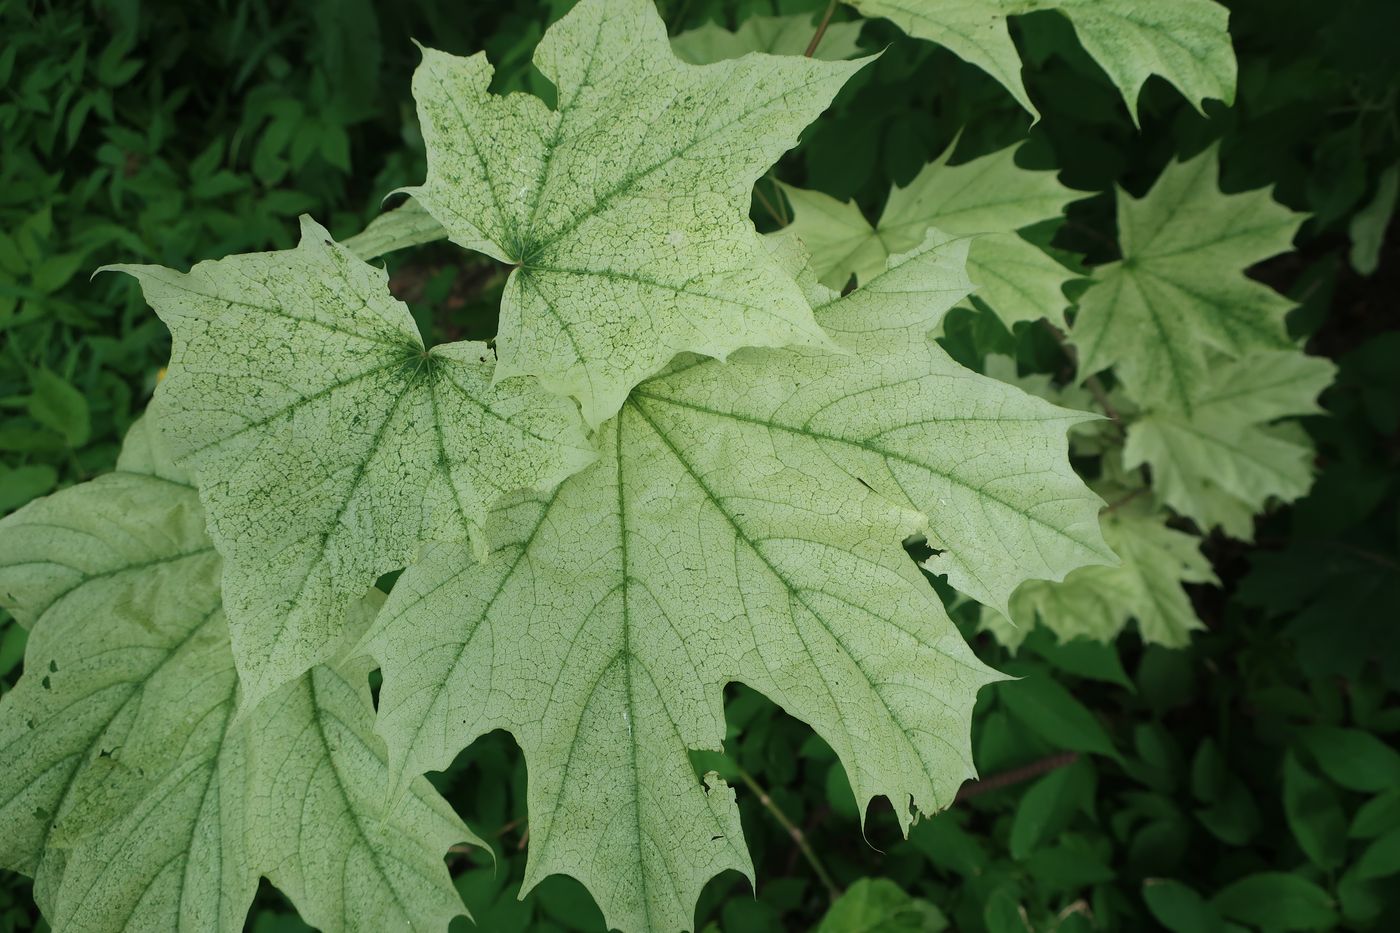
1100,395
1015,776
678,20
509,826
778,199
821,30
1119,503
1092,383
1365,554
814,819
793,830
768,206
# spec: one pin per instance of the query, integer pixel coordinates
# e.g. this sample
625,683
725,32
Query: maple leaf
1185,41
1097,602
744,522
1093,437
775,35
1179,295
328,442
990,196
128,789
1221,463
1153,560
625,207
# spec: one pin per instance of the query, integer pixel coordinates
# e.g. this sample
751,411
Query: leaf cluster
1240,779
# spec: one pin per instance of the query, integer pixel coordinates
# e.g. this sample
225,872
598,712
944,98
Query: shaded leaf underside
1187,42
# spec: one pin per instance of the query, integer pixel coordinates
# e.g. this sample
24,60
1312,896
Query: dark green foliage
1252,779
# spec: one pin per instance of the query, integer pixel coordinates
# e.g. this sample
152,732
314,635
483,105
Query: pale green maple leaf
1179,294
990,196
624,208
775,35
744,523
1098,602
328,442
1224,461
318,767
1185,41
128,789
410,225
1094,436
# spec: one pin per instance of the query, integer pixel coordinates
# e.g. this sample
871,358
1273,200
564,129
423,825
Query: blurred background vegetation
1250,781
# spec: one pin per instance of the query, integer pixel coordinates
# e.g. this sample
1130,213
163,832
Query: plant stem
1118,504
793,830
768,206
77,465
1100,395
678,19
1092,383
779,200
821,30
1016,775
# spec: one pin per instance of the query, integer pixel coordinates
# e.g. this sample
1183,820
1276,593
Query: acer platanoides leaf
990,197
404,226
625,206
328,442
1097,602
128,788
744,522
1179,294
1220,464
1185,41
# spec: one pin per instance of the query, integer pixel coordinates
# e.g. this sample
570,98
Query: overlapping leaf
1185,41
625,207
744,522
1154,560
1098,602
329,443
1180,295
128,789
775,35
323,833
1224,460
990,196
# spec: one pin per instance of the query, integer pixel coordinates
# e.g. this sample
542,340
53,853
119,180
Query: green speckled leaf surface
128,787
625,207
328,442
